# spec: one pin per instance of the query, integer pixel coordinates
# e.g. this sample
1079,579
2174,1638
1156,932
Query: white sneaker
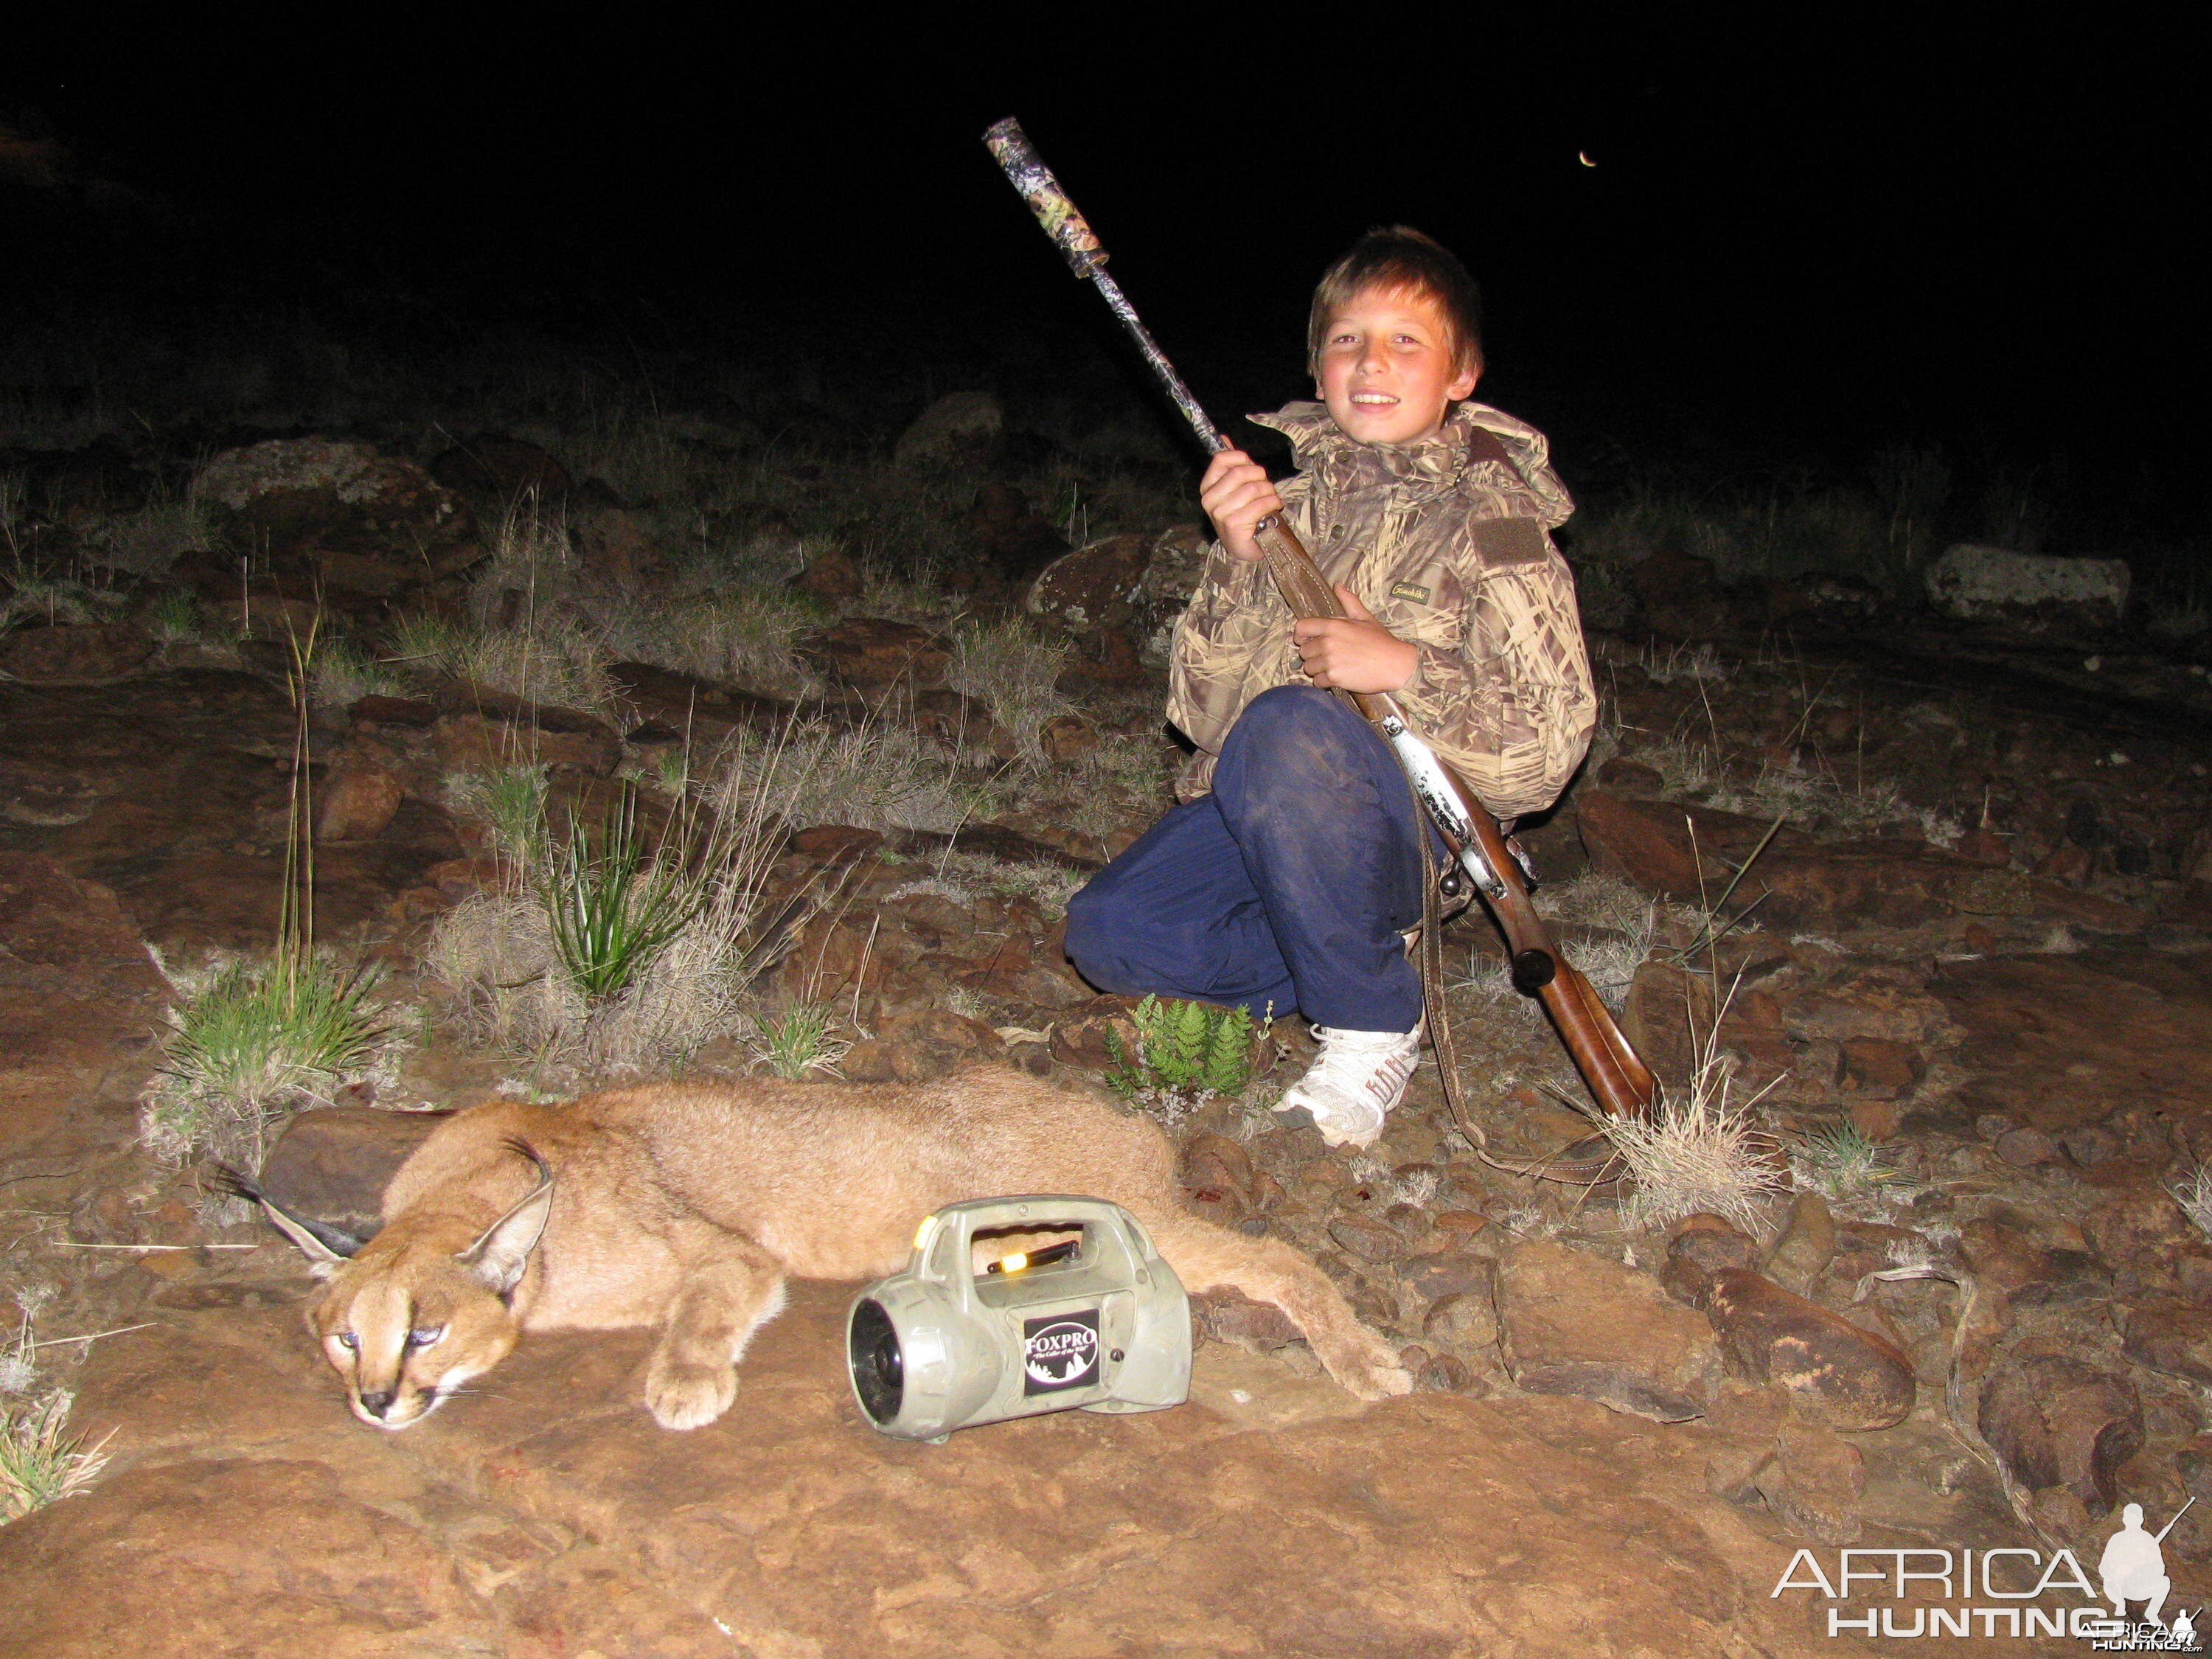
1354,1082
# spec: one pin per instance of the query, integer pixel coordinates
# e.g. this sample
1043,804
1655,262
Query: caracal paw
688,1394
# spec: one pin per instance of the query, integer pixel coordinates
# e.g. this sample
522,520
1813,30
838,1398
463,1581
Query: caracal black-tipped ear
323,1245
498,1258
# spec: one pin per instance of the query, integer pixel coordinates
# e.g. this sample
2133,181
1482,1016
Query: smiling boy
1293,868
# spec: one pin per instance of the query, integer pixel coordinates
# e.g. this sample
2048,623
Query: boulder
2173,1337
1806,1244
1170,576
356,802
871,653
1679,595
2035,592
503,468
565,740
63,654
1701,1247
961,427
1006,537
1814,1482
833,576
1092,588
325,496
2060,1421
1575,1323
331,1165
1836,1372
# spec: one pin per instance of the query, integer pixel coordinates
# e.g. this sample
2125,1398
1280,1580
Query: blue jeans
1291,883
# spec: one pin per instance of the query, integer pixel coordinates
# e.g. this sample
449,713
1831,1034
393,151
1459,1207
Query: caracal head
408,1323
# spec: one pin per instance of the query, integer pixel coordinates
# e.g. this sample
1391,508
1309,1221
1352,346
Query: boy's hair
1401,259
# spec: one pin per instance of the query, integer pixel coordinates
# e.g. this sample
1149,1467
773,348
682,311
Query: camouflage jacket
1451,550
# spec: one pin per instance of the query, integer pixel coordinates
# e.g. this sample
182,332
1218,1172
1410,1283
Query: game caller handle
1102,1326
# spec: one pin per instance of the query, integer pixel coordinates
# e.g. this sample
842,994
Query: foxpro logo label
1059,1351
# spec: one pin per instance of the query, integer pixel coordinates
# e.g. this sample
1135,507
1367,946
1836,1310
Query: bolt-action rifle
1479,849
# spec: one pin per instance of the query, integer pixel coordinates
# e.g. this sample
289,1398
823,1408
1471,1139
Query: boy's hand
1237,494
1353,652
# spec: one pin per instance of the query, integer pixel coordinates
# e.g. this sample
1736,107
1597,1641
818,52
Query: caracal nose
377,1404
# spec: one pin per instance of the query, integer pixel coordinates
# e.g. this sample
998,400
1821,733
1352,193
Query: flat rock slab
545,1514
180,788
2060,1041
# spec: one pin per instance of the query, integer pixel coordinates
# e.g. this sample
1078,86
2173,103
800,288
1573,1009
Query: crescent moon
1583,155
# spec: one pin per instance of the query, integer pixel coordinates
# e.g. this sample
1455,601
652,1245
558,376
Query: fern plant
1187,1053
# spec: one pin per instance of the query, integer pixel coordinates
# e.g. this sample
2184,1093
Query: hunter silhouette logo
1059,1350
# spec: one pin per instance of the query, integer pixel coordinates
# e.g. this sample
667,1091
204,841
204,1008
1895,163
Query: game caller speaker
1098,1322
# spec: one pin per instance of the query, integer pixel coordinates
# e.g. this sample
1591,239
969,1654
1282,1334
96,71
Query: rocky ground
1980,941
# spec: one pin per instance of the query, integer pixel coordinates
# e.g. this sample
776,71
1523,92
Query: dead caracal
685,1206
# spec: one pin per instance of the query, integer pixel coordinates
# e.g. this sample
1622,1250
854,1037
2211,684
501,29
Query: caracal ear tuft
324,1246
498,1258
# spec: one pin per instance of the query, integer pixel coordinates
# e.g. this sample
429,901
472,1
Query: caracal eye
425,1337
349,1341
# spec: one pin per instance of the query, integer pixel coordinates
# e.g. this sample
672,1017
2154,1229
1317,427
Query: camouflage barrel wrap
1448,543
1070,231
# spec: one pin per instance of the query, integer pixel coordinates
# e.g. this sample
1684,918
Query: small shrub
748,638
552,661
1187,1053
1699,1150
148,542
503,960
426,642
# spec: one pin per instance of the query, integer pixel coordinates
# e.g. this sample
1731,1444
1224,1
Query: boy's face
1386,369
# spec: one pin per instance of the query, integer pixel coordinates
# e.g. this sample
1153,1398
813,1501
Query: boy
1291,870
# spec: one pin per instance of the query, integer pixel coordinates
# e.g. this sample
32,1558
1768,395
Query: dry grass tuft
1013,669
877,775
1700,1150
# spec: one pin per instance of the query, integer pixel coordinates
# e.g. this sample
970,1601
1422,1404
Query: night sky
1813,240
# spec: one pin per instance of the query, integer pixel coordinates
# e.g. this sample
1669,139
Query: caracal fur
684,1207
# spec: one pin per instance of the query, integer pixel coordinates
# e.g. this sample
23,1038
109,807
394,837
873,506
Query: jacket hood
1319,446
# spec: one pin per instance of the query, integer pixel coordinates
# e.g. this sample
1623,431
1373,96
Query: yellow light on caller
1014,1263
922,1231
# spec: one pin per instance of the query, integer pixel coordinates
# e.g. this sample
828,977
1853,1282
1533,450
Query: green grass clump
800,1039
39,1462
343,674
1187,1053
1845,1167
250,1039
510,802
174,617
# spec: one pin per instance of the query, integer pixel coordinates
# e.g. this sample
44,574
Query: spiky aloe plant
614,910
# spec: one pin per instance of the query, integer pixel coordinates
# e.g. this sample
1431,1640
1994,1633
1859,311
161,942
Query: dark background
1795,244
